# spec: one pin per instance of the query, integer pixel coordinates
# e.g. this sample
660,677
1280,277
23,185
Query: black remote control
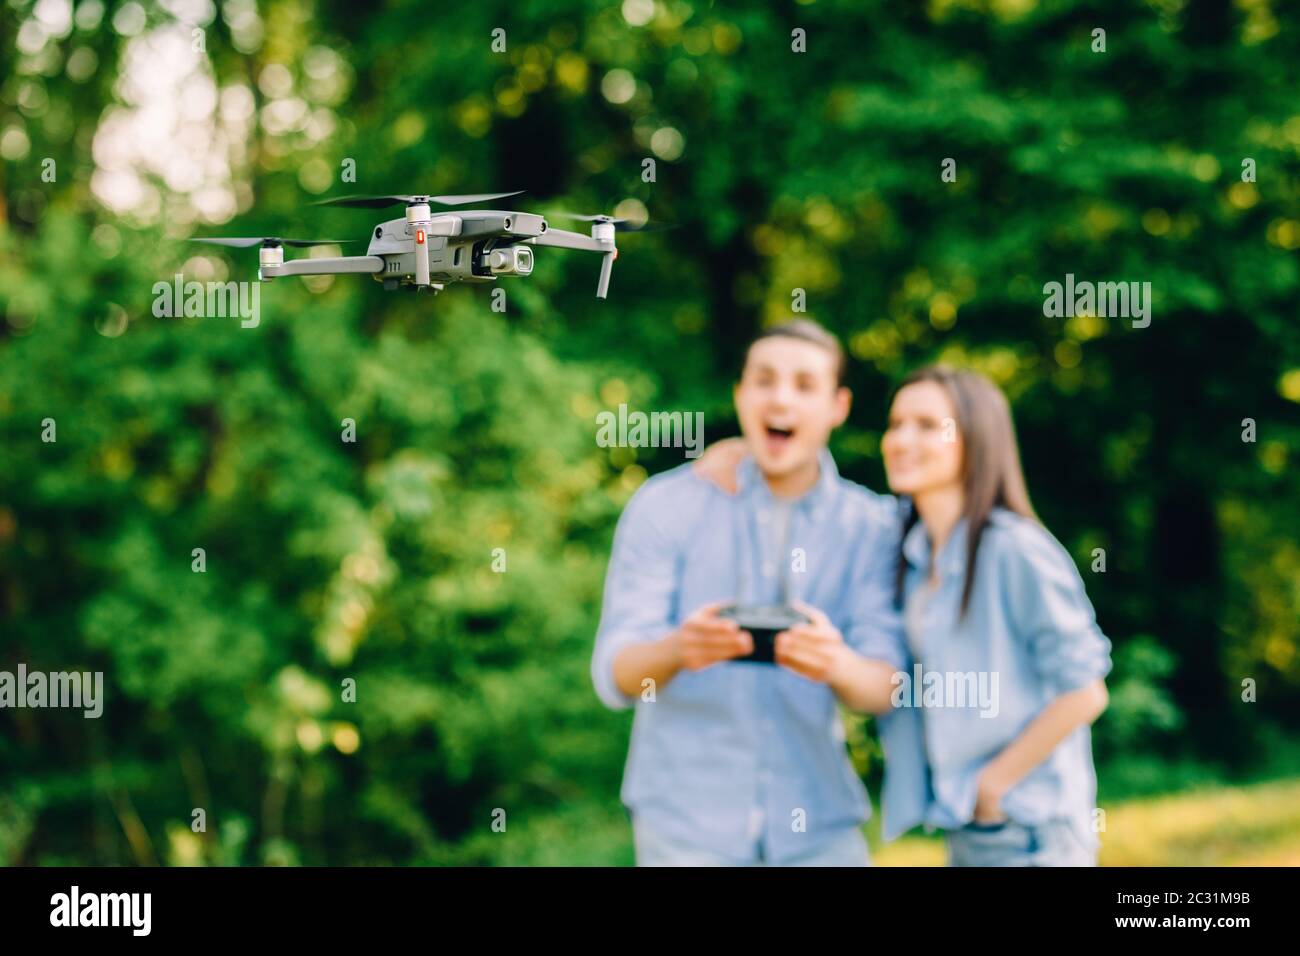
764,622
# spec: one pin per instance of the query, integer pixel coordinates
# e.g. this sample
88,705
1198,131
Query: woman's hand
720,462
988,797
1044,734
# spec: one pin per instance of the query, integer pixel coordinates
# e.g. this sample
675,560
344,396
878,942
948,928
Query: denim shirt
743,758
1029,627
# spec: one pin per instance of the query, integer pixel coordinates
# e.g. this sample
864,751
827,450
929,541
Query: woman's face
922,446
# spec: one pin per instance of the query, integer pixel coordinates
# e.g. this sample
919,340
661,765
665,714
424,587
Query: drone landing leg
606,267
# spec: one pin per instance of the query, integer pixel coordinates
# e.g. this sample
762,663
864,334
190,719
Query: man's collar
814,501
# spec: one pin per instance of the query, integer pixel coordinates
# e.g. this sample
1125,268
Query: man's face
788,403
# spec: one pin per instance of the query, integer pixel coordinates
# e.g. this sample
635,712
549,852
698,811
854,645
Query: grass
1254,825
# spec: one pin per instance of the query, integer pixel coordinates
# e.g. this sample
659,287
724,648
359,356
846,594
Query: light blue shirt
739,756
1031,627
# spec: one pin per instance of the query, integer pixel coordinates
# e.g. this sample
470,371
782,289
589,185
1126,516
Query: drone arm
576,240
322,267
564,239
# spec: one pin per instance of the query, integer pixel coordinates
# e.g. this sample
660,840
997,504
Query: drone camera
510,261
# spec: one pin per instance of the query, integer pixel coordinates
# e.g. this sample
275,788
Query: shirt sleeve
641,588
1050,611
874,625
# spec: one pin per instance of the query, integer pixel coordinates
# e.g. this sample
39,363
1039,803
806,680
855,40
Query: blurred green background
817,171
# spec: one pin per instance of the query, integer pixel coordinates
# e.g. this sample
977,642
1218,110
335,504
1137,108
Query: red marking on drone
419,236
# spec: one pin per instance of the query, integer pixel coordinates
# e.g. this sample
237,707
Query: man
740,763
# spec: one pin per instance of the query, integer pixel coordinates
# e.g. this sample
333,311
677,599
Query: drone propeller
248,243
619,224
380,202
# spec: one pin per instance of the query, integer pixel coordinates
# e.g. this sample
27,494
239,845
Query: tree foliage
372,561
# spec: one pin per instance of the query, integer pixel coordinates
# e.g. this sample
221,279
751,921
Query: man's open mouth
778,438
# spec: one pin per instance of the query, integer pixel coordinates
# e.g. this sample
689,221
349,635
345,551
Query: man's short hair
808,331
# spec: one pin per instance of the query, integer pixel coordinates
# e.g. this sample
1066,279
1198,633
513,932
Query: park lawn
1255,825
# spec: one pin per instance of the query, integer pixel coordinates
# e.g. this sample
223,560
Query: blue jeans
1055,843
846,848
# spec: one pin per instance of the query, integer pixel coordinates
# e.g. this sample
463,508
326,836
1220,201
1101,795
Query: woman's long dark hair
990,470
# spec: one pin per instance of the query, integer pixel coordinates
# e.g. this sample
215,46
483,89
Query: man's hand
814,649
705,639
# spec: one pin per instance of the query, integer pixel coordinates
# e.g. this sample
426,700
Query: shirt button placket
758,816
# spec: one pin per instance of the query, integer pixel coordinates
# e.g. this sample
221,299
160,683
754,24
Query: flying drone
426,250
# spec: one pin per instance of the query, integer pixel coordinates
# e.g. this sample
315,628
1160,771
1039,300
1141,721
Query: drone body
426,250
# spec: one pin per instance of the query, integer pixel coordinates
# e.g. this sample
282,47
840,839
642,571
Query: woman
992,744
